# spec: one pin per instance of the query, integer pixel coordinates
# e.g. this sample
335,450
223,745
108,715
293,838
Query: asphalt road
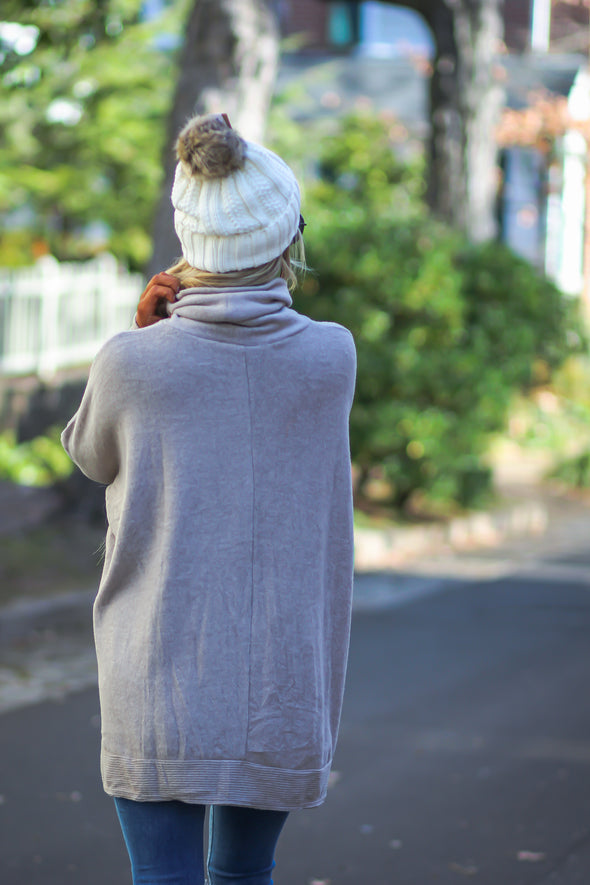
464,752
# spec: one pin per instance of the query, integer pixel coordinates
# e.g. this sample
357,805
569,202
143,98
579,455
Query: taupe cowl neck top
223,613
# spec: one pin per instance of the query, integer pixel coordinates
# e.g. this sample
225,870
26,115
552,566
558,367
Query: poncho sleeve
91,436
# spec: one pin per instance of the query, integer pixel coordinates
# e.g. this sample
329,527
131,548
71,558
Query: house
381,52
543,25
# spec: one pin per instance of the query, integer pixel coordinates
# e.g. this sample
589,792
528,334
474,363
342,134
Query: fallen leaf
531,856
333,778
463,869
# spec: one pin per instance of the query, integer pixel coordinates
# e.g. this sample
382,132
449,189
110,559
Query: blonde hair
289,266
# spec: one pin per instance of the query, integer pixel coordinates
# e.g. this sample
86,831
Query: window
387,30
343,20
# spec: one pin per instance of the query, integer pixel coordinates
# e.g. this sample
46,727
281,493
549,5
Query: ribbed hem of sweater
213,782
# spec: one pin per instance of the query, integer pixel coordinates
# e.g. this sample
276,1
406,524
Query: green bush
574,471
40,462
446,331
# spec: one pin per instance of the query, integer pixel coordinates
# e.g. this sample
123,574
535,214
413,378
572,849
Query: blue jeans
165,843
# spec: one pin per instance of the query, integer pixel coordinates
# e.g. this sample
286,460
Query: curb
26,616
376,550
379,549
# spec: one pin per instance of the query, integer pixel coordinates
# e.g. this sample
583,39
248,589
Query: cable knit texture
223,613
238,221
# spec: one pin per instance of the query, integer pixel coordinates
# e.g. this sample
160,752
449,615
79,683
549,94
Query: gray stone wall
30,406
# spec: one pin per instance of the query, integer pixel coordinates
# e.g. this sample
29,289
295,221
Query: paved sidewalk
387,561
463,754
46,646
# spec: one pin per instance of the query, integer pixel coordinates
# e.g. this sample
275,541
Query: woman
220,429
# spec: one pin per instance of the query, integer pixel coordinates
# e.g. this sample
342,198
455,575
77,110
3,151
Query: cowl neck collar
248,315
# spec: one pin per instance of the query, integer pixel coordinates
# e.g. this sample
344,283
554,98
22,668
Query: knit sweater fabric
222,617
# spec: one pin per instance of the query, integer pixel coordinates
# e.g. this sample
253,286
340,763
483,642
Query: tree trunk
465,103
466,99
228,64
475,103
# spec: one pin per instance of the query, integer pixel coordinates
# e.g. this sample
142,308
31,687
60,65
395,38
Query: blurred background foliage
86,87
455,341
40,462
447,332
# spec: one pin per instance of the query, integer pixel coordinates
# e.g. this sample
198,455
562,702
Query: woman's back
227,581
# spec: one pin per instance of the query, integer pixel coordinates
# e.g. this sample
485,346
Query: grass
60,557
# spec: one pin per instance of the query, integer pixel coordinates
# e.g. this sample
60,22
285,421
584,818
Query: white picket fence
57,315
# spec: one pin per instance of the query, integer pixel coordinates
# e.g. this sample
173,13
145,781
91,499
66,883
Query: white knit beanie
236,203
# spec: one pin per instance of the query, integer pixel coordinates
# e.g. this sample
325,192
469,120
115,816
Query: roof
333,84
539,72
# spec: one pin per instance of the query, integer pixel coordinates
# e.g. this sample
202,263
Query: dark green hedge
446,331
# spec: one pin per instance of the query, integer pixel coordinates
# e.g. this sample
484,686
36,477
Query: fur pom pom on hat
236,203
209,147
